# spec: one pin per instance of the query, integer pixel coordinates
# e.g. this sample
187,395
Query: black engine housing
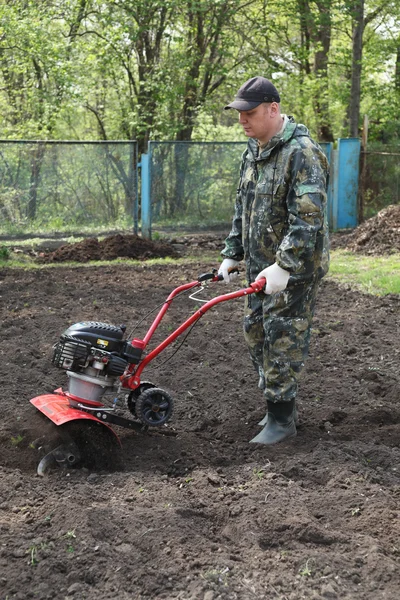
100,335
88,341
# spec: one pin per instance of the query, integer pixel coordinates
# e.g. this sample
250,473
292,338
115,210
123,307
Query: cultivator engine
94,356
99,362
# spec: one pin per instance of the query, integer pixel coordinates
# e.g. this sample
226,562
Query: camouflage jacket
280,207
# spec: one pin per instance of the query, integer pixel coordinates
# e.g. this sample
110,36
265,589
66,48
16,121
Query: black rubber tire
154,407
134,395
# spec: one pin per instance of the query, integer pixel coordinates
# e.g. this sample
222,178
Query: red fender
56,407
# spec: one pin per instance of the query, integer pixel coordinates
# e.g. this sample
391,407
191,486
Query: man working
279,229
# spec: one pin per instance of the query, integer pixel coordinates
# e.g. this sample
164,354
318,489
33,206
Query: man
279,229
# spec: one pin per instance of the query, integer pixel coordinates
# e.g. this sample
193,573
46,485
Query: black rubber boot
280,423
295,416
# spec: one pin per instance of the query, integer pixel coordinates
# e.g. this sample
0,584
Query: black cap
252,93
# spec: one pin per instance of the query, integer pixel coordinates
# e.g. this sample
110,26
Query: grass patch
376,275
26,262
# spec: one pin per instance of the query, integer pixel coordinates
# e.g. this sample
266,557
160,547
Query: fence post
363,169
345,186
132,189
145,194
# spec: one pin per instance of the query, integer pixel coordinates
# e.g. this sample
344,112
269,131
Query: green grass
368,274
376,275
23,261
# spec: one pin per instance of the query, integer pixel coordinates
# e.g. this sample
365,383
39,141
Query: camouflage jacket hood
280,207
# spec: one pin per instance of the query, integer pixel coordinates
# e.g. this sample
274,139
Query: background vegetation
163,70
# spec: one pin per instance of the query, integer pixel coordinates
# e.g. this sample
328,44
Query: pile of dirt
378,235
112,247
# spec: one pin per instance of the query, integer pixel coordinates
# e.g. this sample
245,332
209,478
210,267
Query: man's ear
274,109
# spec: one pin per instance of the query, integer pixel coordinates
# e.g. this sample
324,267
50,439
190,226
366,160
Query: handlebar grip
232,270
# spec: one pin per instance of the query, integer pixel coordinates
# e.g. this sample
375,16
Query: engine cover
100,335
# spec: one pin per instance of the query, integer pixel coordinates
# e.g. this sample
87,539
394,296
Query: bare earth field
196,512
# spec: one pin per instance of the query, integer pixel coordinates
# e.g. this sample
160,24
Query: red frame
132,380
57,406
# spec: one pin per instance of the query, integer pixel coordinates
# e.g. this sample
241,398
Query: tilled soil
196,512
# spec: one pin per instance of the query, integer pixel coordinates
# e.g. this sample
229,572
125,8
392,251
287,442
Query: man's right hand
227,265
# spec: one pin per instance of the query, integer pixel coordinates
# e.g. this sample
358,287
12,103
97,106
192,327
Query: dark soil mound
378,235
112,247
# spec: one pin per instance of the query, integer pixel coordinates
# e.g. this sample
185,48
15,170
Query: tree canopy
164,69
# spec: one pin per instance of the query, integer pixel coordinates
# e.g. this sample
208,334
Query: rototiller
98,361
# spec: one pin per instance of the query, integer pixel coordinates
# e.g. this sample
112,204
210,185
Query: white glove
277,279
226,265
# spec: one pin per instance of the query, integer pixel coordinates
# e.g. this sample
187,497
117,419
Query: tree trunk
36,164
323,39
397,71
355,94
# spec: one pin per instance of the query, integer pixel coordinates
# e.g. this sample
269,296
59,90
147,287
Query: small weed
305,571
187,481
258,473
33,556
70,535
217,575
17,439
355,512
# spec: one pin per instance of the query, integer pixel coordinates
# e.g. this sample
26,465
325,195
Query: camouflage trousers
277,331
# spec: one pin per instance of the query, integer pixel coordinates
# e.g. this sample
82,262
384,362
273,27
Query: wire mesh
58,184
194,183
380,180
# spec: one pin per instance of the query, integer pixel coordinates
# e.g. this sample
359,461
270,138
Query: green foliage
163,70
4,253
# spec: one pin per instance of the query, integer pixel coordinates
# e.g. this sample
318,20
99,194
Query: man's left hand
276,279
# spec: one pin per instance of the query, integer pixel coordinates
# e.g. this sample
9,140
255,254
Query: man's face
260,122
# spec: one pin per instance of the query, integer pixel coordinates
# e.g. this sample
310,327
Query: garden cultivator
97,360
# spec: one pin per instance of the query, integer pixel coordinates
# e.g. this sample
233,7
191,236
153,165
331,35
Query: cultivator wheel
132,397
154,407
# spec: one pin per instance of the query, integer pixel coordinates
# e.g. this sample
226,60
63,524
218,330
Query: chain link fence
194,183
379,179
54,185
